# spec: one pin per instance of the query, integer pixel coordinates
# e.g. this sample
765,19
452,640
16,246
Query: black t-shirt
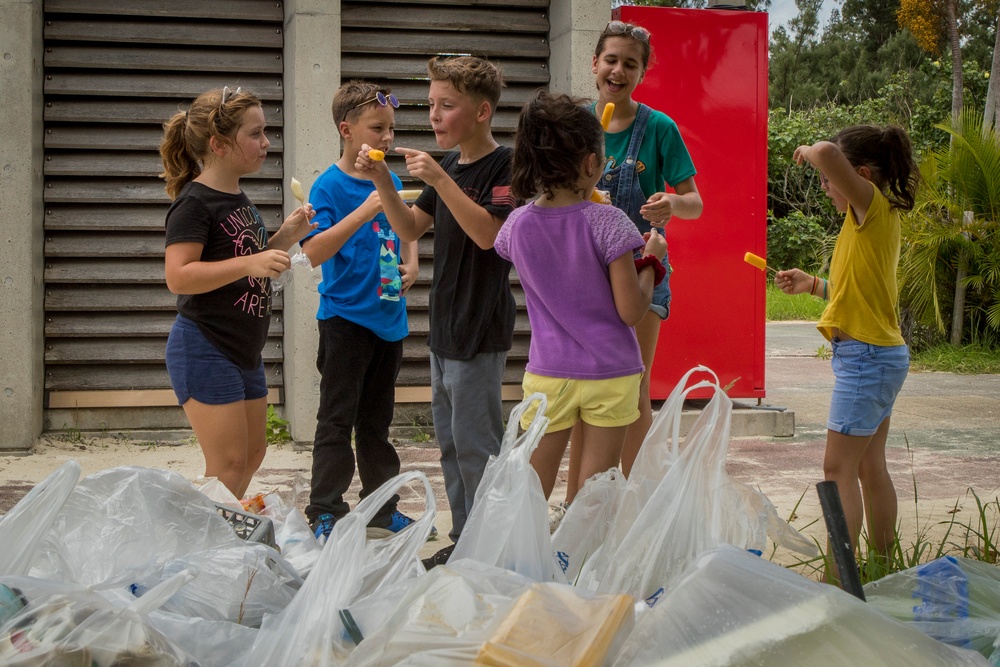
234,318
472,308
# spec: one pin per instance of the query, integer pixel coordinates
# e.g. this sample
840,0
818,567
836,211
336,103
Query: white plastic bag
732,608
587,522
509,523
695,507
27,523
125,519
309,632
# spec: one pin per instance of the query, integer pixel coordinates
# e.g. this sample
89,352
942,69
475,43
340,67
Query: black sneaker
439,558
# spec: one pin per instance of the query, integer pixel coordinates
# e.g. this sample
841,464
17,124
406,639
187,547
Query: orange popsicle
376,154
609,109
757,261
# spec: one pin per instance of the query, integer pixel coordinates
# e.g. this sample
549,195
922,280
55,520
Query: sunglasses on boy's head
382,99
622,28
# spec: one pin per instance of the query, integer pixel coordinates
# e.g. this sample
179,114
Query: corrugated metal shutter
390,41
113,73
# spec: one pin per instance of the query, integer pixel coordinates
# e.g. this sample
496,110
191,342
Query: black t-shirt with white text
235,317
471,306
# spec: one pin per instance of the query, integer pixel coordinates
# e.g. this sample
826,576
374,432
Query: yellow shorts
606,403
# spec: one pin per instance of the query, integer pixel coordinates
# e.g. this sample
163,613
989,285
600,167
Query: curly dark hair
555,133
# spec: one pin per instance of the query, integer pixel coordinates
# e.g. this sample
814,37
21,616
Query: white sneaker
556,514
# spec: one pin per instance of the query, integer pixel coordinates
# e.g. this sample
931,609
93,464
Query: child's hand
655,244
267,264
793,281
799,156
365,163
407,275
422,166
298,224
658,209
372,206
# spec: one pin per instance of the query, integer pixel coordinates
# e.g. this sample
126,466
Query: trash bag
588,519
26,524
954,600
210,643
309,632
239,584
696,506
298,545
734,608
66,624
440,619
125,519
509,523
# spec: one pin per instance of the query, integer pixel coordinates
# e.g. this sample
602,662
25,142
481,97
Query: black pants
357,393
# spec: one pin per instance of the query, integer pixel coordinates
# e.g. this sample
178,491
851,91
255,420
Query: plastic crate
250,527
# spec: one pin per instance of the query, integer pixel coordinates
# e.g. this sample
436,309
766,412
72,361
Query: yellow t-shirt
863,295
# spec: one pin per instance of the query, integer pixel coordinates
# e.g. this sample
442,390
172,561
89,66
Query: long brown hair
216,113
888,153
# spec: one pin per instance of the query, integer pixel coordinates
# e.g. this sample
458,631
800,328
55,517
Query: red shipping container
710,75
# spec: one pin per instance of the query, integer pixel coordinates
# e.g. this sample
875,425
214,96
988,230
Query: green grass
968,359
782,307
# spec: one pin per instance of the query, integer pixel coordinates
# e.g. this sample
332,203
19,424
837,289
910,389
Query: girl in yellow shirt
870,174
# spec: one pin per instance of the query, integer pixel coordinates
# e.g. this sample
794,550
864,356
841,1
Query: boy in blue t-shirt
362,317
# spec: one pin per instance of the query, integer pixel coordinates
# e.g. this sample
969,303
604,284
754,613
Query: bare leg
222,433
547,458
256,418
647,331
575,443
841,464
881,508
600,450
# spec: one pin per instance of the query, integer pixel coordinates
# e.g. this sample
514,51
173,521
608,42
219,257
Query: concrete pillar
312,74
21,222
574,26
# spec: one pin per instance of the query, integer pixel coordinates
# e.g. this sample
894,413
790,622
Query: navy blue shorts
199,371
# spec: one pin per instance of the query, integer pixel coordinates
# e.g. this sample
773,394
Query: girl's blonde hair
216,113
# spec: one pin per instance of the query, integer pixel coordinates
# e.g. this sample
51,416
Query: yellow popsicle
757,261
376,154
609,109
409,195
599,197
297,191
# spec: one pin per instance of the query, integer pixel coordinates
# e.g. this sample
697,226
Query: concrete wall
21,221
574,26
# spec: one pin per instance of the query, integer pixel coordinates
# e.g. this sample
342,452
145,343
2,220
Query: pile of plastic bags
136,566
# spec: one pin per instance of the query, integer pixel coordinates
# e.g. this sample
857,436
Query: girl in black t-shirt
219,261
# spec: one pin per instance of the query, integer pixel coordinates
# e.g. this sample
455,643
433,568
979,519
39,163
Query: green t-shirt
663,157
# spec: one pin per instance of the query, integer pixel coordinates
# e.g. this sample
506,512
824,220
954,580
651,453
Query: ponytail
179,167
888,153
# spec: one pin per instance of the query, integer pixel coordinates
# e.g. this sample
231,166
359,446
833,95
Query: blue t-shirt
352,278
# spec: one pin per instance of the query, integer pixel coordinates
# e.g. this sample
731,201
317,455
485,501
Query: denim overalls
622,185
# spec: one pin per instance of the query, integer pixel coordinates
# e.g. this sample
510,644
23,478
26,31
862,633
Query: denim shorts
199,371
867,379
607,403
661,293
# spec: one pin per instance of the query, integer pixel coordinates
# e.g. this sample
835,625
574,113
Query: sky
784,10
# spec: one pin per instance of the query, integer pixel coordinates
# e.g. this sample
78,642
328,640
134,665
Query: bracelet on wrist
659,271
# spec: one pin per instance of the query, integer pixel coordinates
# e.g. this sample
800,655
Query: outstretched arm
409,222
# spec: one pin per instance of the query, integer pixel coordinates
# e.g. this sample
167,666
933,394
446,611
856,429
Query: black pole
840,541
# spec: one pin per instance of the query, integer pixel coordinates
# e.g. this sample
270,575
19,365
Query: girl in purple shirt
584,290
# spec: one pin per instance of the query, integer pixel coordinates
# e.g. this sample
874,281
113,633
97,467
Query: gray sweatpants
468,420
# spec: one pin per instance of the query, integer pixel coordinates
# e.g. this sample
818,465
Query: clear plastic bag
285,277
26,524
732,608
309,632
126,520
954,600
695,506
585,527
509,523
